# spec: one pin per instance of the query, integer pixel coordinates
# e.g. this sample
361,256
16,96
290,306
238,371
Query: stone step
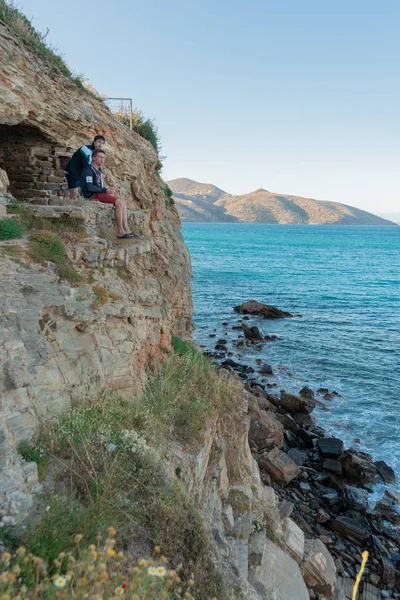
96,216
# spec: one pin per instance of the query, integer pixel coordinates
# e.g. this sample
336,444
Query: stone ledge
94,214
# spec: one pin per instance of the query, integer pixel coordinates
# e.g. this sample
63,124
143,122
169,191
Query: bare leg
73,193
119,210
125,219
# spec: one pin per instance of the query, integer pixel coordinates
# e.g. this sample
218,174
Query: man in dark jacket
92,186
79,160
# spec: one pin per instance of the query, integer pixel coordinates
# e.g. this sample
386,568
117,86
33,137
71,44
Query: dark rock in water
225,323
307,393
249,370
221,347
387,512
222,341
331,464
237,327
297,456
266,370
330,446
358,467
385,471
212,335
355,498
295,404
252,307
350,530
215,355
323,391
336,483
288,422
252,333
234,365
246,318
270,338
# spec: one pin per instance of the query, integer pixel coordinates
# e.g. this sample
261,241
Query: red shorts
106,198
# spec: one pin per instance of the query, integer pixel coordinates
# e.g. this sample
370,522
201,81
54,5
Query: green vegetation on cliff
107,459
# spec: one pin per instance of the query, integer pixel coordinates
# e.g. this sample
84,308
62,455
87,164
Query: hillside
206,202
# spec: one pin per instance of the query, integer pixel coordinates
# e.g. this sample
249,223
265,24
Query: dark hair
97,151
99,137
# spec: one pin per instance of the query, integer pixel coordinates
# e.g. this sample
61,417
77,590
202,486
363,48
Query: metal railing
122,110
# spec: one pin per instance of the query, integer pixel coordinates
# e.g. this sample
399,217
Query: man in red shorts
92,186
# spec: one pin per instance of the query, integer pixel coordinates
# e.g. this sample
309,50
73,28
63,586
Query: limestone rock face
55,343
318,568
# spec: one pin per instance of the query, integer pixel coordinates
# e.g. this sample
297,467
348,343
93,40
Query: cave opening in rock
34,164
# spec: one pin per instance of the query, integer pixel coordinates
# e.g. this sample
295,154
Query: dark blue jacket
91,182
79,160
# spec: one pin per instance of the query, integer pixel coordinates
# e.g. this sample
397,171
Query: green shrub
143,126
46,245
10,229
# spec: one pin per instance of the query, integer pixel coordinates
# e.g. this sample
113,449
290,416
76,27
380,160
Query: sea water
345,282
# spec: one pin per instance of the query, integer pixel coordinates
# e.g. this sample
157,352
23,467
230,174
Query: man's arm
88,182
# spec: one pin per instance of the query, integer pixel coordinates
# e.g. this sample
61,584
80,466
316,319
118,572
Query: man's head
99,141
98,157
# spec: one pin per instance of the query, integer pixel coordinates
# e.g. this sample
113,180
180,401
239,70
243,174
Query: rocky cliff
57,340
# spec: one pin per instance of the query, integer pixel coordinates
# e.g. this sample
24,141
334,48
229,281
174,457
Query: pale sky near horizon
298,97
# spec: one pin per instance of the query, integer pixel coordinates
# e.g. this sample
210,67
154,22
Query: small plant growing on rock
69,273
101,296
10,229
115,297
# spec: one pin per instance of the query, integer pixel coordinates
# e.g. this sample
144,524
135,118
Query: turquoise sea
345,282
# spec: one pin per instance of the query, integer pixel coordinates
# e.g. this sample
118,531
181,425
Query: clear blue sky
297,96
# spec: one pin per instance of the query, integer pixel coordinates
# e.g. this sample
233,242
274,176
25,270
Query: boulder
355,498
296,404
265,431
358,467
330,446
279,466
297,456
386,472
318,568
332,465
350,530
252,307
252,333
266,369
307,393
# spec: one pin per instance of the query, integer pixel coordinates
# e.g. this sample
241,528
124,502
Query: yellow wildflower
110,552
103,576
77,538
157,549
21,550
191,583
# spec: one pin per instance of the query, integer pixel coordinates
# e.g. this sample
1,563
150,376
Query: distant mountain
206,202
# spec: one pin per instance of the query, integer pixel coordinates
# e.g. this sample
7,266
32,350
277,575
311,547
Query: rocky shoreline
323,487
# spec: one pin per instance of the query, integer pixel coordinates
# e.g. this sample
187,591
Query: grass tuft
10,229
